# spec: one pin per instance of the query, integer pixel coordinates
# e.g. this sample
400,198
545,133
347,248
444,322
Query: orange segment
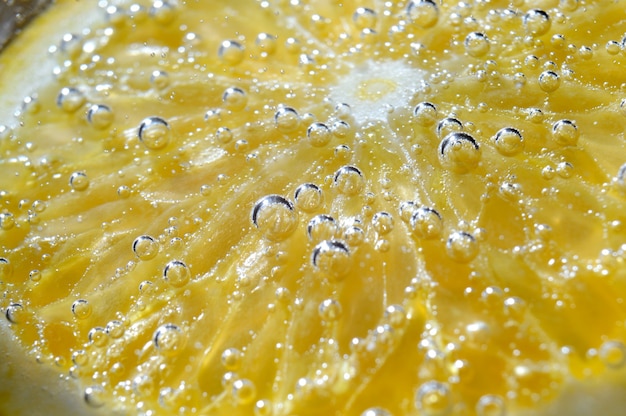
283,208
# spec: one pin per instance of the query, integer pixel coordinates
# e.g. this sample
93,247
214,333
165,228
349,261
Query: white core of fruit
374,89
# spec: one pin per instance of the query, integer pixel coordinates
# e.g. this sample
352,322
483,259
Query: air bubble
549,81
462,246
80,358
382,222
565,133
231,52
349,180
490,405
98,336
476,44
407,209
275,217
318,134
620,179
330,310
266,43
94,396
145,247
333,258
6,269
160,79
449,125
395,316
34,275
115,329
613,354
508,141
235,98
425,114
7,221
433,398
364,18
568,5
243,391
231,359
81,309
13,313
340,128
613,47
169,340
375,411
459,152
79,181
354,235
70,99
154,133
263,408
426,223
423,13
176,273
322,227
308,197
287,119
163,12
100,116
536,22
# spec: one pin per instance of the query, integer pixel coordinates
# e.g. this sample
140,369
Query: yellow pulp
317,207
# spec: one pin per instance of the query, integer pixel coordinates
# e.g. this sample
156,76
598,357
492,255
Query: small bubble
145,247
565,133
224,135
154,133
13,313
235,98
613,354
330,310
476,44
564,169
7,221
407,209
81,309
176,273
266,43
549,81
115,329
426,223
263,408
509,141
395,316
490,405
123,191
79,181
425,114
340,128
423,13
275,217
163,12
94,396
322,227
70,99
160,79
382,222
459,152
308,197
613,47
536,22
243,391
80,358
333,258
433,398
34,275
449,125
318,134
231,52
287,119
354,235
100,116
535,115
376,411
349,180
462,246
568,5
98,336
364,18
169,339
231,358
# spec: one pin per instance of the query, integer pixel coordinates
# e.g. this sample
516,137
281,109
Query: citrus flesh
298,208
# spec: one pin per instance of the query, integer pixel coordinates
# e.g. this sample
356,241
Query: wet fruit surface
293,207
